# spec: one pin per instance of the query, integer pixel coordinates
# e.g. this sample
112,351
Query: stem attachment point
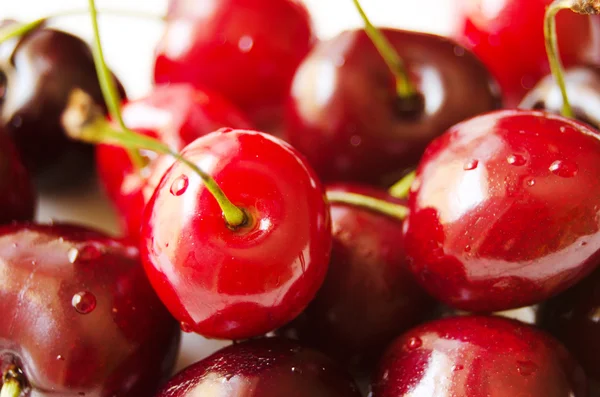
12,383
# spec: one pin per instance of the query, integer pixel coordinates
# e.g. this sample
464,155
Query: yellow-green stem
10,388
396,211
401,189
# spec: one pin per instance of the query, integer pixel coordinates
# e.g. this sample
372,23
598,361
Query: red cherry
504,210
17,197
476,357
508,36
176,115
270,367
80,317
346,116
247,50
369,296
236,283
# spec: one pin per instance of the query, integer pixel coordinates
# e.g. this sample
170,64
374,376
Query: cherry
33,95
369,296
508,36
80,317
247,50
175,114
237,281
269,367
348,117
478,356
503,210
17,197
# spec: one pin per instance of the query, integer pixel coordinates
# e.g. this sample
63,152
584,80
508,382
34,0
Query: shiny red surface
505,209
262,368
369,296
175,114
345,115
235,284
118,341
478,357
17,197
247,50
508,36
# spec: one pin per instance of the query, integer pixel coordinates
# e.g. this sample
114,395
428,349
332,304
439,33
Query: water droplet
88,253
526,368
467,248
471,165
564,169
563,129
179,185
245,43
73,254
84,302
297,370
185,327
60,357
516,159
414,343
530,182
355,140
459,51
224,130
458,367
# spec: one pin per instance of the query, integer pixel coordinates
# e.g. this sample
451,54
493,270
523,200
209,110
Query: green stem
10,388
401,188
19,29
404,87
396,211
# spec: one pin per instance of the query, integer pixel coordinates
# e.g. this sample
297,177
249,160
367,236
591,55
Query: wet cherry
478,356
243,281
504,210
81,317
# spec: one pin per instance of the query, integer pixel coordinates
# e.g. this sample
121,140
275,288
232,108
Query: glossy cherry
247,50
508,36
37,73
345,114
80,315
175,114
369,296
235,283
475,357
17,197
269,367
504,210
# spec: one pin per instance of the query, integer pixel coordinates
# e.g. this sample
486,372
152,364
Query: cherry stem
396,211
11,385
404,87
401,189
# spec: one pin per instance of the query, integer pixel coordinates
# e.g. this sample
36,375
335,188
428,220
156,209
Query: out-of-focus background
129,46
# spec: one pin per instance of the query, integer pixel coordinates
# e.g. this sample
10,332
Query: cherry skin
243,282
81,317
476,357
247,50
583,85
369,296
270,367
176,114
503,210
508,36
17,197
346,117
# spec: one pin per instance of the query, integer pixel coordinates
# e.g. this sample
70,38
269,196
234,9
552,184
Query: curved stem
552,50
396,211
404,87
19,29
10,388
401,188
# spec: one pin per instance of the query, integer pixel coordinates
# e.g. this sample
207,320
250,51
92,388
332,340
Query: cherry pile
353,214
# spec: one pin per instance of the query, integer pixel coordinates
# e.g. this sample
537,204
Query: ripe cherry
504,210
80,317
478,356
269,367
175,114
369,296
508,36
247,50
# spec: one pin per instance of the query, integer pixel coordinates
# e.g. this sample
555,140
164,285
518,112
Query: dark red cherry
504,210
476,357
236,283
269,367
345,114
37,74
17,197
508,36
583,85
369,296
247,50
573,317
80,317
176,114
